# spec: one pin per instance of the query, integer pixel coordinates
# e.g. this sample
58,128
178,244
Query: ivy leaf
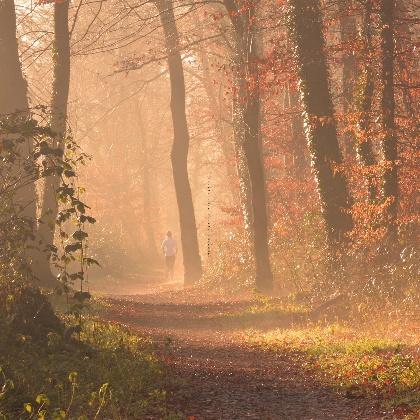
69,173
73,247
83,218
78,275
79,235
81,207
91,261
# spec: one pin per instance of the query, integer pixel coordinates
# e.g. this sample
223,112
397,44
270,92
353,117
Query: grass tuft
356,363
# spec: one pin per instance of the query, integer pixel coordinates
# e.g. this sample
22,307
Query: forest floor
223,372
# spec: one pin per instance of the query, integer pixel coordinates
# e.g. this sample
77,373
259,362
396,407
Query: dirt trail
222,377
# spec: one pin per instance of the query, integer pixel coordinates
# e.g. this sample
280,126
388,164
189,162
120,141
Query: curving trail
223,378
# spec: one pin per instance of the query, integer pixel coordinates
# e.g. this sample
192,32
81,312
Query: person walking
170,250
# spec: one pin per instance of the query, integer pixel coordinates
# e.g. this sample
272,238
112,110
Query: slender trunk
305,27
364,144
348,32
249,123
239,51
60,93
179,154
196,170
147,194
242,170
389,140
253,153
216,108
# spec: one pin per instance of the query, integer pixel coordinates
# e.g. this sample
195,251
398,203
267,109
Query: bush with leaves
27,158
109,373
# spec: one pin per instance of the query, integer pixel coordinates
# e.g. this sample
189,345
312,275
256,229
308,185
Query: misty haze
209,209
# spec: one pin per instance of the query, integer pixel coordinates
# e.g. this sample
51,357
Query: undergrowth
358,364
102,371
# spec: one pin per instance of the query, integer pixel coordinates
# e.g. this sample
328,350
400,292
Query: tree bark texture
389,140
364,149
348,32
179,154
247,120
215,107
59,100
305,27
300,162
14,103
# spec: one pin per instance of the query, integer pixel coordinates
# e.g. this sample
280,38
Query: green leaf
81,207
59,414
72,247
52,248
83,218
79,235
91,261
73,377
42,399
69,173
79,275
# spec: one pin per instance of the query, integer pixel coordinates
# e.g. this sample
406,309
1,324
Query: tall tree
364,143
300,162
247,120
148,221
305,28
348,33
13,92
179,153
389,140
60,93
216,108
14,104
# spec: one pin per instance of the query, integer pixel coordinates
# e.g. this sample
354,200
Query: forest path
221,377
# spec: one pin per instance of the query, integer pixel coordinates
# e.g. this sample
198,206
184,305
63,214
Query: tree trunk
179,154
61,83
248,121
14,103
215,107
13,92
348,34
298,137
305,27
238,121
407,71
364,144
147,194
389,140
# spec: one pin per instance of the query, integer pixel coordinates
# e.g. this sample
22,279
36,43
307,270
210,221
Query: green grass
356,363
266,309
110,373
